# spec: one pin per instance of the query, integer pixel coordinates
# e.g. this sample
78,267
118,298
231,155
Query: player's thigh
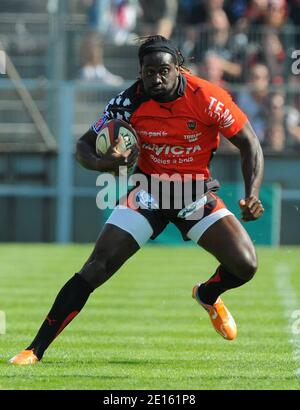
115,245
113,248
124,233
230,243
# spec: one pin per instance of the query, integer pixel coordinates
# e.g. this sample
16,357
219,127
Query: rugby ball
111,131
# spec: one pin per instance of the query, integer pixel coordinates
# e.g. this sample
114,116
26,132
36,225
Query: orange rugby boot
25,357
219,315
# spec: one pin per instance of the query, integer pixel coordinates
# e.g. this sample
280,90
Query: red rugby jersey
179,136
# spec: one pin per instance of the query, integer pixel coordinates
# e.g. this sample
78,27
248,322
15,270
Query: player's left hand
251,208
131,155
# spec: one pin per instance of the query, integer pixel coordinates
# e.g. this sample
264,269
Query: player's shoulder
203,88
126,102
130,96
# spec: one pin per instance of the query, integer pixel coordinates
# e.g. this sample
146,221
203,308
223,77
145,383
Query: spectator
159,18
287,124
124,19
266,19
91,49
191,14
275,132
294,11
207,29
236,10
272,45
213,5
212,69
294,17
256,12
220,43
282,124
275,137
93,68
276,13
114,19
254,99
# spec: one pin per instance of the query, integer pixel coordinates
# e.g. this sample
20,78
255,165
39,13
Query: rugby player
178,118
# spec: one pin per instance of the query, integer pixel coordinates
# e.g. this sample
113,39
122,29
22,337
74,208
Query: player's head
160,63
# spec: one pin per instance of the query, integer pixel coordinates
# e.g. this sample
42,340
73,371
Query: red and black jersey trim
123,106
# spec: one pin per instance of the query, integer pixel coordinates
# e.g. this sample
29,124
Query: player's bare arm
86,155
252,166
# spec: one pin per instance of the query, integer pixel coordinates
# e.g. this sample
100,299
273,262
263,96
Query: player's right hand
251,208
114,158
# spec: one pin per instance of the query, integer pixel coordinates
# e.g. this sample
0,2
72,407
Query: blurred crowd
245,46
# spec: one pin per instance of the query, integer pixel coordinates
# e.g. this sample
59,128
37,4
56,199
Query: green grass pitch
142,329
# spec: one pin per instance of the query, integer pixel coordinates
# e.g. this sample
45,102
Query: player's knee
246,265
101,268
94,272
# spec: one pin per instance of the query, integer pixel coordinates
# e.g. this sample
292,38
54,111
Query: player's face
160,76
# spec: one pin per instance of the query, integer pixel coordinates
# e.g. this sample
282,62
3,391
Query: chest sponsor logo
173,150
192,137
151,134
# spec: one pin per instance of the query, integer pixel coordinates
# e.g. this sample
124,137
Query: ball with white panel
111,131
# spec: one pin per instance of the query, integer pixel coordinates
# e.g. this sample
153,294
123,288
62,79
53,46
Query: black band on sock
68,303
221,281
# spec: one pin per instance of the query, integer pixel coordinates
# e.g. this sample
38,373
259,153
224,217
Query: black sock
221,281
68,303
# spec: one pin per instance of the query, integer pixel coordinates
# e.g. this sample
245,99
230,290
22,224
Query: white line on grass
291,307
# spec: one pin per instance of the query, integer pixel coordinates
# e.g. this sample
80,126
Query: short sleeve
108,114
121,107
222,111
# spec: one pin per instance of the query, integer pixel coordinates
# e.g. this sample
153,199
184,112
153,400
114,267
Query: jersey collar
182,85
